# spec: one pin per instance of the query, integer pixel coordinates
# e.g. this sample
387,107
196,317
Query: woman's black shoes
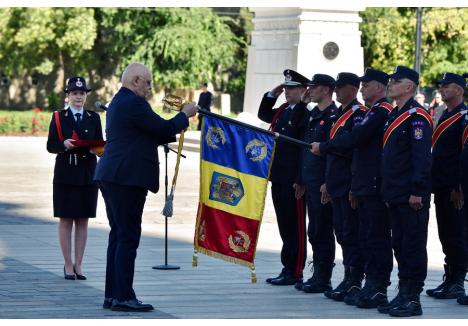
68,277
79,276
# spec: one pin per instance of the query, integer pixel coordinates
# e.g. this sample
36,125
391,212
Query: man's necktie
78,117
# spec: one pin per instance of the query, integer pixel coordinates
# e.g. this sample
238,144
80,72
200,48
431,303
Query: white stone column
295,38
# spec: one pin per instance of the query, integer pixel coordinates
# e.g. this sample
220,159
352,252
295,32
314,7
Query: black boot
411,306
463,300
402,289
320,280
354,290
454,287
340,291
373,294
445,279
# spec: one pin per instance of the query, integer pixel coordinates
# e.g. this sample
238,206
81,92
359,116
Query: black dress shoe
107,303
130,305
268,280
79,276
68,277
285,280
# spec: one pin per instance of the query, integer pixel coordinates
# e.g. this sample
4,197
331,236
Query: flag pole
246,125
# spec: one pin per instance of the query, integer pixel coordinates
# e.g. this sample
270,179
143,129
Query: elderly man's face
143,84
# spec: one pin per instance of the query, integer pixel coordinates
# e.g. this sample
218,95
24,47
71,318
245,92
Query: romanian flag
235,164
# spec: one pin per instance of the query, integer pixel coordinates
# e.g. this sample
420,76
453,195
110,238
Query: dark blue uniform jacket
406,158
338,172
464,158
317,128
446,174
366,140
76,166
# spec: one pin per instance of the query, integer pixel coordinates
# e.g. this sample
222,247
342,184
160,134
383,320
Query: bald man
125,173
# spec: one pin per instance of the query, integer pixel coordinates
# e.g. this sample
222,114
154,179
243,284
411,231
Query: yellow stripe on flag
252,202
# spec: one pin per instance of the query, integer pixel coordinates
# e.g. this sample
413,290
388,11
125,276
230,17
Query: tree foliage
38,40
389,40
181,46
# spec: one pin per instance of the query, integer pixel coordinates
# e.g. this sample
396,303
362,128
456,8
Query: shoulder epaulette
386,106
423,113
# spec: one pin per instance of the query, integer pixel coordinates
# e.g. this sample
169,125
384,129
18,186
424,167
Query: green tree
388,38
181,46
40,40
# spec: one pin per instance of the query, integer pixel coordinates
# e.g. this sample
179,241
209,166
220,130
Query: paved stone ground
31,265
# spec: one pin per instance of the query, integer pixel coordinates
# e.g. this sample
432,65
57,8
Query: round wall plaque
331,50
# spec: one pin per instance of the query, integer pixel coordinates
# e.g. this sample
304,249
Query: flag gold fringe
226,258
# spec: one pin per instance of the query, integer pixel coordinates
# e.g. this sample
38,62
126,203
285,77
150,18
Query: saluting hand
415,202
277,90
305,97
315,148
68,143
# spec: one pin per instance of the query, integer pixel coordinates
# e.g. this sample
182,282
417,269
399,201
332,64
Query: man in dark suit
125,173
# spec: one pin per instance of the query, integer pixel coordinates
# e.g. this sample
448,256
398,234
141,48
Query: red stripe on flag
227,234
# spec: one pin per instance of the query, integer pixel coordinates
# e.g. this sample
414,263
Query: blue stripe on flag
236,147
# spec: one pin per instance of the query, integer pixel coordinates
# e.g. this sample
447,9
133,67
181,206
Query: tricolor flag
235,164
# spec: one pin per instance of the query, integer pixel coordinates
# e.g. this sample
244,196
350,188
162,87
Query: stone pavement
31,265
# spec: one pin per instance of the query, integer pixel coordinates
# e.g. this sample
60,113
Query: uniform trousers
320,227
124,206
375,238
290,215
409,240
346,226
450,225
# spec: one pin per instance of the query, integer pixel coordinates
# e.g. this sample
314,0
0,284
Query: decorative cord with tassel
168,209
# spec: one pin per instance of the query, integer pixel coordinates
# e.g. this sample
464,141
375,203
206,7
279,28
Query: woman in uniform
74,192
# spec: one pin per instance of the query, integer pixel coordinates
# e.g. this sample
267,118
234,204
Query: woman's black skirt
71,201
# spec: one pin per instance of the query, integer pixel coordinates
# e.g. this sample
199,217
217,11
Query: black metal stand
166,184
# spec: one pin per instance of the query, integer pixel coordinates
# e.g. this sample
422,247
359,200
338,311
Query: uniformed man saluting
446,186
406,188
289,205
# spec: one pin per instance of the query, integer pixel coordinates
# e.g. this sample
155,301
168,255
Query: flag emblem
256,150
226,189
214,137
240,242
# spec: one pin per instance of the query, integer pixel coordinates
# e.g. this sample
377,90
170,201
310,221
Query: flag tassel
253,275
195,259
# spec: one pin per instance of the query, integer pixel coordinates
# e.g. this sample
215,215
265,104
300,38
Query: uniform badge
256,150
79,83
418,133
288,77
